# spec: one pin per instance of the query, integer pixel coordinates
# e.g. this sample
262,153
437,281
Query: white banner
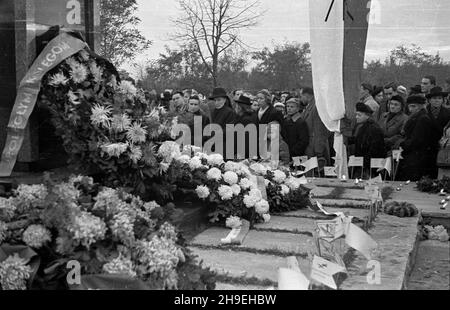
327,54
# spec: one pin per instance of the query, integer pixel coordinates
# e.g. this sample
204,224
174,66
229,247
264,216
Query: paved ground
255,264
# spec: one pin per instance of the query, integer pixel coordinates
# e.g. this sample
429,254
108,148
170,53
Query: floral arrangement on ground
109,232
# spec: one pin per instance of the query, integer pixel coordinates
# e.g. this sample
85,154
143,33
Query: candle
399,189
443,202
442,193
356,181
444,206
407,182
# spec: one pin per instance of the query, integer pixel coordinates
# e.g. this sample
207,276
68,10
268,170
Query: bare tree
213,26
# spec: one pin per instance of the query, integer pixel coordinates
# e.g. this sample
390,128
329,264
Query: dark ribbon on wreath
346,11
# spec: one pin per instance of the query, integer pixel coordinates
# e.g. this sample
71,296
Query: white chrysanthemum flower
279,176
120,266
7,209
80,179
136,133
232,166
195,163
14,273
266,218
73,98
122,227
87,229
127,88
115,149
214,174
236,189
97,72
168,231
244,171
246,184
292,183
230,177
184,159
256,193
58,79
225,192
72,62
202,192
79,74
120,123
253,197
284,190
259,169
150,206
36,236
233,222
135,153
30,196
169,151
101,115
215,160
201,155
262,207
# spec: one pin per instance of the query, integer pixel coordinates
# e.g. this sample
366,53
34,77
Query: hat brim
440,94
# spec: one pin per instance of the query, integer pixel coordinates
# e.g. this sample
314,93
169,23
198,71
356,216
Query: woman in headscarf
392,122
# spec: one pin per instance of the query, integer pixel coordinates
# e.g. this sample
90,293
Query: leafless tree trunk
214,26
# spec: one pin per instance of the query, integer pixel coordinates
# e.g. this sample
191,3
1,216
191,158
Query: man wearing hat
245,116
440,116
369,138
296,129
222,113
416,144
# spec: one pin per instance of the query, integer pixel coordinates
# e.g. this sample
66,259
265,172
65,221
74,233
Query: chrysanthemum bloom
7,209
195,163
246,184
215,160
279,176
115,149
135,153
292,183
81,179
36,236
202,192
252,198
236,189
101,115
230,177
29,196
58,79
136,133
72,62
259,169
84,55
169,151
266,218
120,123
121,266
233,222
244,171
225,192
184,159
150,206
214,174
262,207
108,200
67,192
122,227
232,166
127,88
87,229
168,231
14,273
256,193
284,190
79,74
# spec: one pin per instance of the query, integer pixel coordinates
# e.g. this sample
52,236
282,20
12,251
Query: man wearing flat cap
369,138
416,144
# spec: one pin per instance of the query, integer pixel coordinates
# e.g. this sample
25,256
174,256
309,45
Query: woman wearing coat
245,117
392,122
369,139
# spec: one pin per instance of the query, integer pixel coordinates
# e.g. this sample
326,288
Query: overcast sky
423,22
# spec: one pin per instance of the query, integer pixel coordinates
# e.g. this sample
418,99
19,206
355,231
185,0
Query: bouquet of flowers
106,125
106,231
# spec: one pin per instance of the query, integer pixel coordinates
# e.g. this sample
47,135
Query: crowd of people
388,118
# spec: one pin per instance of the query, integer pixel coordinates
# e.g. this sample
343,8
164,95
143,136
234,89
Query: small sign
298,161
356,161
330,171
331,230
397,155
377,162
322,271
311,164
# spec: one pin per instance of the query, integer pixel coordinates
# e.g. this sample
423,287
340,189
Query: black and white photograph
224,151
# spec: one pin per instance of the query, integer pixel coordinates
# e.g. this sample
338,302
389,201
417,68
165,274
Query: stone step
282,244
245,266
340,193
239,287
397,240
344,203
294,225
